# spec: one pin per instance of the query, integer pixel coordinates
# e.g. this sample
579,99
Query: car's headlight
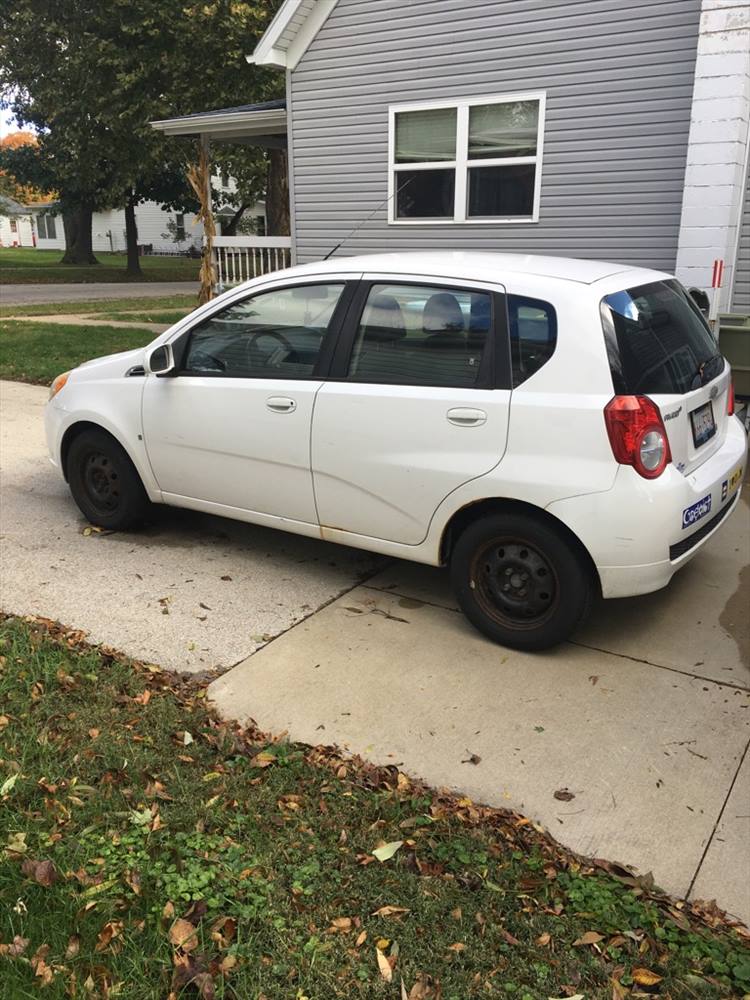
58,384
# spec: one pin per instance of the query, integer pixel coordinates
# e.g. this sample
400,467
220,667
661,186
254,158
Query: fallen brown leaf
543,940
384,966
390,911
341,925
563,795
42,872
17,947
107,934
223,931
645,977
182,935
227,963
590,937
74,946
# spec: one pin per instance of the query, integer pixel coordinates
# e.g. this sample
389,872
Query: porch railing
239,258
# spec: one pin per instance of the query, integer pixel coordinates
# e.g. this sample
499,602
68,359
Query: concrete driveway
644,718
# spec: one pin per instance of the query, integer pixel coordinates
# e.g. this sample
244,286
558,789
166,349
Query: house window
46,227
179,227
477,160
13,226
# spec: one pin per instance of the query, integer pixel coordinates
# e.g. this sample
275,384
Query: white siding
23,237
151,220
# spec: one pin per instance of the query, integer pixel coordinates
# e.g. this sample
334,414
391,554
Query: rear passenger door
416,403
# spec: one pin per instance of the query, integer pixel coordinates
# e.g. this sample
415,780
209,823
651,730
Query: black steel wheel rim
515,583
101,481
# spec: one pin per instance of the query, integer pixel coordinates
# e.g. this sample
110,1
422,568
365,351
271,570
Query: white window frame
462,161
42,225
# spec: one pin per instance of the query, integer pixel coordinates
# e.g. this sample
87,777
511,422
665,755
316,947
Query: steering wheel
282,340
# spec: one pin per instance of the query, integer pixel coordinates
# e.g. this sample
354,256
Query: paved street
16,295
644,717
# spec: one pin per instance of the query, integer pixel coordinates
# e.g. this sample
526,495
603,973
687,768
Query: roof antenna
366,220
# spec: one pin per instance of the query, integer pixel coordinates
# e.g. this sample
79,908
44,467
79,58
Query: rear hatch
660,346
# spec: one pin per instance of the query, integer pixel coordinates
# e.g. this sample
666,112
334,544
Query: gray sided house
584,128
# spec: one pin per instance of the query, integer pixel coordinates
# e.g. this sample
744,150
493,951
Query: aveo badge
696,511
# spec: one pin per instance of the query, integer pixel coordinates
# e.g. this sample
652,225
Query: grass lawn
37,352
151,851
21,265
143,304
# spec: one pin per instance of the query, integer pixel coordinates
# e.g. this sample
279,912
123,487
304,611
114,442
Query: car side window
421,335
276,334
533,335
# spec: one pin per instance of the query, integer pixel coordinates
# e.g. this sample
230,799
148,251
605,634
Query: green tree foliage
90,76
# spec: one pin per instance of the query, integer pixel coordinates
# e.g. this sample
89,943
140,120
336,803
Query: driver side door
231,429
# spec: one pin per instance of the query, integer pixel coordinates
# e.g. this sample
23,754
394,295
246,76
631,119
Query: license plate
704,426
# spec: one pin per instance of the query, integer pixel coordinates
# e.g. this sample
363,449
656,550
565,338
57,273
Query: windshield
657,340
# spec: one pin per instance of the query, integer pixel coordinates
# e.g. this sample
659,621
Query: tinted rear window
533,335
657,340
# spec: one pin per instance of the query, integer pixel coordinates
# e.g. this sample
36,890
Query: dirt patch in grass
153,851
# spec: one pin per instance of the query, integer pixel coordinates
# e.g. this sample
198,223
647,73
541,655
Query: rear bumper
641,532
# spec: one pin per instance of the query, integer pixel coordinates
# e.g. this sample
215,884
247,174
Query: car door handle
281,404
466,416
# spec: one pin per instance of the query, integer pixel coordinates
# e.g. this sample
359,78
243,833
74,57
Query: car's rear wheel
104,482
521,581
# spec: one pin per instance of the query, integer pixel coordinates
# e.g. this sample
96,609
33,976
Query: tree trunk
131,240
77,228
230,228
277,194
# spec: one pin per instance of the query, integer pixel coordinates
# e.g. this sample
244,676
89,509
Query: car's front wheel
104,482
521,581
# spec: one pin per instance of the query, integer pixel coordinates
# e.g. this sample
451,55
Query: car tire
520,581
104,482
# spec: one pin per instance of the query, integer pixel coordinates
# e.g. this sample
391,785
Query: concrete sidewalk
16,295
644,717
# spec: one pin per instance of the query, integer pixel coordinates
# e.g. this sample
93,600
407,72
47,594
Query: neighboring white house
16,224
108,229
159,231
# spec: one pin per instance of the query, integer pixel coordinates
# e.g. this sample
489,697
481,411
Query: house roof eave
291,32
227,124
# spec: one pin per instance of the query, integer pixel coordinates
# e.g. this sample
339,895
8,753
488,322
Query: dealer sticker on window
696,511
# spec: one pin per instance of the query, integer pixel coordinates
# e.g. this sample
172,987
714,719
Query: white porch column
717,158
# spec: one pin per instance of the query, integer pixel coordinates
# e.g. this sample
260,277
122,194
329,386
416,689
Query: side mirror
160,361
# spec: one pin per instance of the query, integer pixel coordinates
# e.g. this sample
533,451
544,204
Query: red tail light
637,435
730,398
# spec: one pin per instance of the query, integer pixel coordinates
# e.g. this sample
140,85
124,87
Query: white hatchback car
550,428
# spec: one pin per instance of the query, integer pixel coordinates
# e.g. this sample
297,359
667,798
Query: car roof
482,266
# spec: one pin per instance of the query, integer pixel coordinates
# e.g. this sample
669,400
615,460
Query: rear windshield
657,340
